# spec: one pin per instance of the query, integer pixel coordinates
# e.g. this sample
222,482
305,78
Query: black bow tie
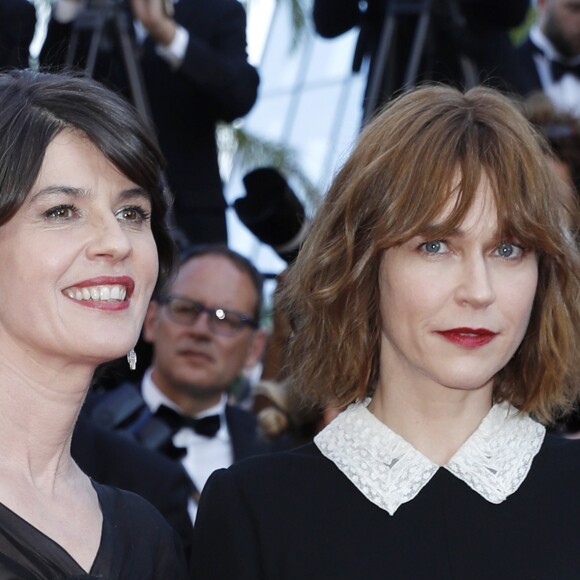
206,426
559,68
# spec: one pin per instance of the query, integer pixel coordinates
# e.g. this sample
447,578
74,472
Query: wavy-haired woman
436,300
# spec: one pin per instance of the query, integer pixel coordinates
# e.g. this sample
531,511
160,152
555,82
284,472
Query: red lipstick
468,337
108,281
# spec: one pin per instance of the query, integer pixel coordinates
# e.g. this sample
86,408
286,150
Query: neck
37,416
437,421
193,406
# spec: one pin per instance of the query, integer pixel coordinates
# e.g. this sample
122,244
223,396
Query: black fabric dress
294,515
136,544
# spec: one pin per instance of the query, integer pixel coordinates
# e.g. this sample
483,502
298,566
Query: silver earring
132,359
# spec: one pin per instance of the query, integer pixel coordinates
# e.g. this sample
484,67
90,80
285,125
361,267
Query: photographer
476,29
196,74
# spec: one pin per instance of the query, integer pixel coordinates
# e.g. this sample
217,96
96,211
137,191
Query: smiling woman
435,300
83,244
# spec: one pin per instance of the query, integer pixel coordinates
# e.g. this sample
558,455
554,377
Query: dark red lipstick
468,337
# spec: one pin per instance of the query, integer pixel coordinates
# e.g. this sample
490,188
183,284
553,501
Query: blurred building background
309,107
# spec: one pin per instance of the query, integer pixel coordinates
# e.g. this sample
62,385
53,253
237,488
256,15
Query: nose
475,282
108,239
201,325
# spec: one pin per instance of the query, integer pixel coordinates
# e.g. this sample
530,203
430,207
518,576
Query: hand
156,17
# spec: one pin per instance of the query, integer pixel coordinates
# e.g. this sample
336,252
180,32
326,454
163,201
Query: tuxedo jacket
110,458
527,80
246,438
214,83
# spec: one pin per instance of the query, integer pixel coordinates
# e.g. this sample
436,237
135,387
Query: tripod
383,82
99,18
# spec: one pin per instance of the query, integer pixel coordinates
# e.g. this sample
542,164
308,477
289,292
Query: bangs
419,188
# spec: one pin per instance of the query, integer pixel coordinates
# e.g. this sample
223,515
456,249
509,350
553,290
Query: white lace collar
389,471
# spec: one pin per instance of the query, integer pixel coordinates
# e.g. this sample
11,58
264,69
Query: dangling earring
132,359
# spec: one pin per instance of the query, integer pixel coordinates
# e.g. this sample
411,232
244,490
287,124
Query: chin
109,352
467,382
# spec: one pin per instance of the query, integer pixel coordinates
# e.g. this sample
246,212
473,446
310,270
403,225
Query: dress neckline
40,539
389,471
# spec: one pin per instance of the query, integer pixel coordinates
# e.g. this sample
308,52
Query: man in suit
204,332
549,59
195,73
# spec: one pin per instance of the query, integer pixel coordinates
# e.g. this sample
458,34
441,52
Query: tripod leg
379,66
72,47
418,45
134,73
94,47
94,22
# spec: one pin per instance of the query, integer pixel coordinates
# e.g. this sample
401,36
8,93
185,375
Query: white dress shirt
203,454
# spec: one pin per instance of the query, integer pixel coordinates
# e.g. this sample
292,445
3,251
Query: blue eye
508,250
434,246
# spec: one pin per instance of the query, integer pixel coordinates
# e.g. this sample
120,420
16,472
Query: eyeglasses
225,322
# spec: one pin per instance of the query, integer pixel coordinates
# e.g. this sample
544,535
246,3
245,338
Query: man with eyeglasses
204,332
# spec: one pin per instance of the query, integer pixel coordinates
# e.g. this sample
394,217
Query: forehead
72,155
217,281
455,210
67,140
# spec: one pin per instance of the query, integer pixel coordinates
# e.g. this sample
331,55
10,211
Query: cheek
234,353
517,298
410,297
149,261
166,334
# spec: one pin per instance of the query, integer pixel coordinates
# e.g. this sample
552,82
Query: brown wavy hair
397,182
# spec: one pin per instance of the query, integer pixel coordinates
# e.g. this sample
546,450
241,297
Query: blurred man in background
549,59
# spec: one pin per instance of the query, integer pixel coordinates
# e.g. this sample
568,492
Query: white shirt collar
548,48
389,471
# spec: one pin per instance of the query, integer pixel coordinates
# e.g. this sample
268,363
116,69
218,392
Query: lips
468,337
196,355
109,293
102,289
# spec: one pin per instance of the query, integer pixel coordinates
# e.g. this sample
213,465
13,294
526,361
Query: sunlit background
309,103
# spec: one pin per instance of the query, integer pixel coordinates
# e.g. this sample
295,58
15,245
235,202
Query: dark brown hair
37,106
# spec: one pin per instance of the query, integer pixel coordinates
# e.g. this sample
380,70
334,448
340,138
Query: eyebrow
80,192
434,230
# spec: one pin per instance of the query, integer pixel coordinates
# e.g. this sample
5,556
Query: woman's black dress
296,515
136,544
